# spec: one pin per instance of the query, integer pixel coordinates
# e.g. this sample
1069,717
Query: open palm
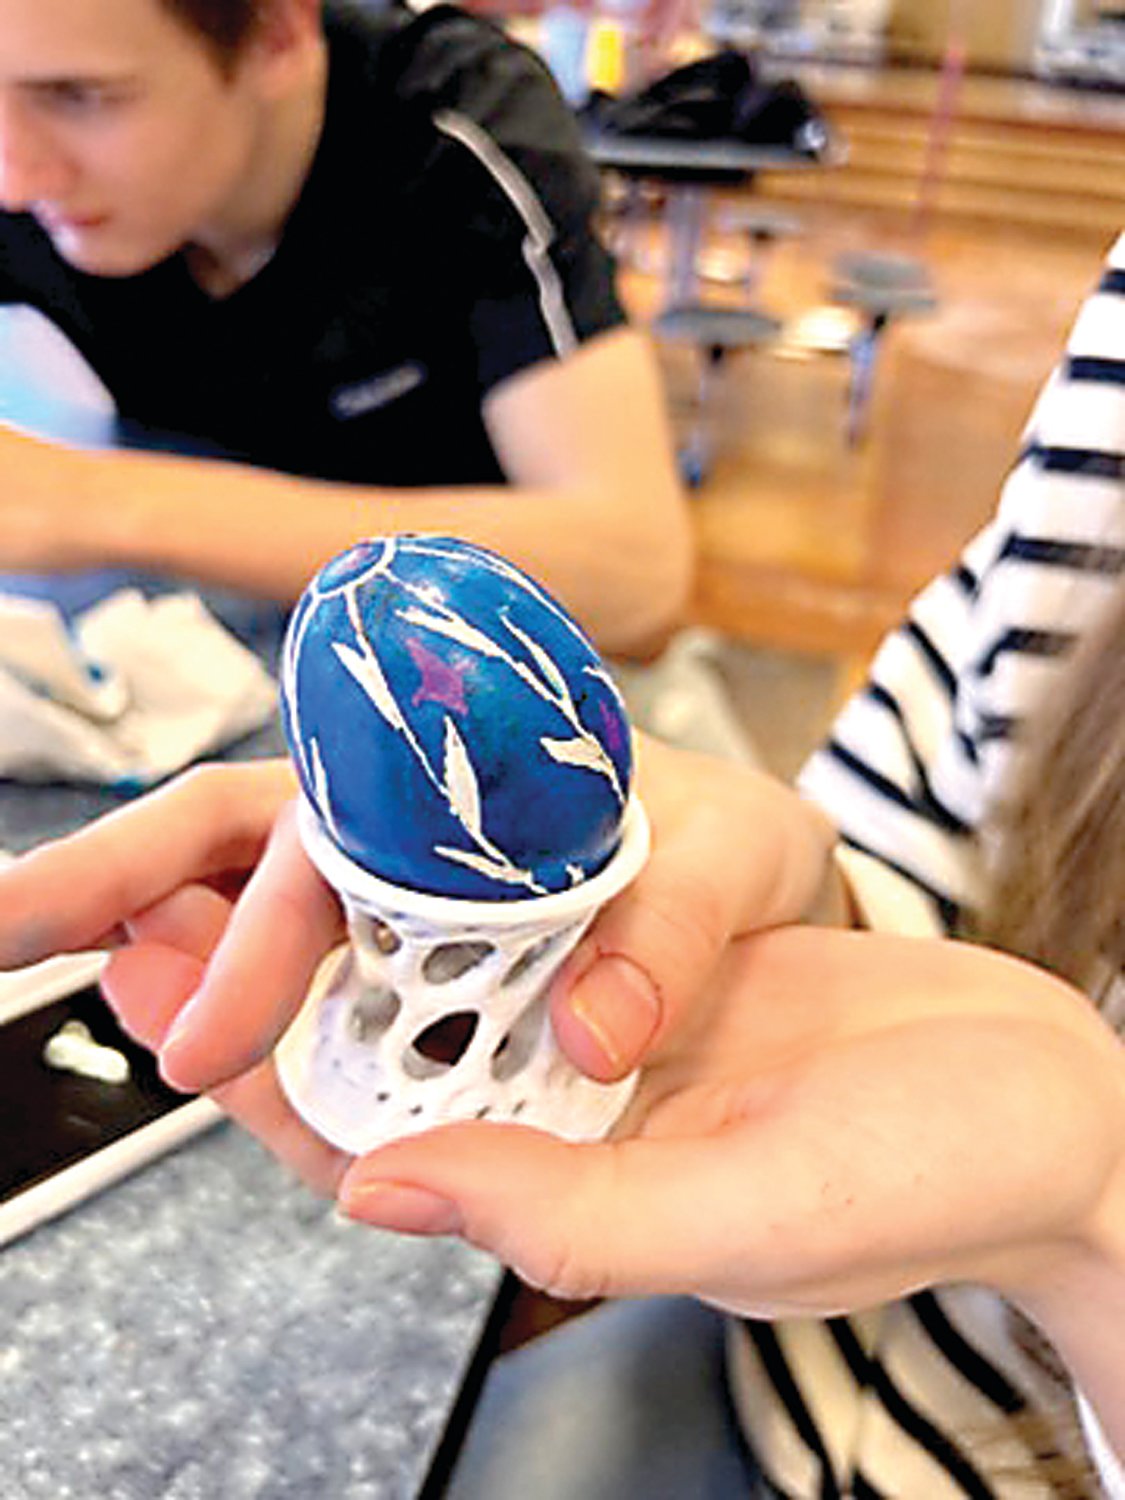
847,1117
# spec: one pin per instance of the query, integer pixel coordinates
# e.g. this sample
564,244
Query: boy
352,253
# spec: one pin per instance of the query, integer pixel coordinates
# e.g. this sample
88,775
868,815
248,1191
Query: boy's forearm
624,574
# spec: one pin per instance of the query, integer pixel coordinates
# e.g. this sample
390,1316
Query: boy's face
119,131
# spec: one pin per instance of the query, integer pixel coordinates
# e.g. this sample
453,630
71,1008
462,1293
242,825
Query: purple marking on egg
441,683
611,729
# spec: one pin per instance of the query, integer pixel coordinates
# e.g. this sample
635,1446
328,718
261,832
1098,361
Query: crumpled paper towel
129,692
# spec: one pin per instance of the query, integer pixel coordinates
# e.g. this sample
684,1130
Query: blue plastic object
451,724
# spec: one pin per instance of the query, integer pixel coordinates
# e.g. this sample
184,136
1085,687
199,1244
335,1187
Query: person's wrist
79,526
42,529
1069,1284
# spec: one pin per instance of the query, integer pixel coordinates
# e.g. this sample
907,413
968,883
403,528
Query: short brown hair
224,25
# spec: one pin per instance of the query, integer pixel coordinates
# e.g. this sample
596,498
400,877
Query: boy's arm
594,508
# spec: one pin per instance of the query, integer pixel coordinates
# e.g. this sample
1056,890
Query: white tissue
37,649
133,691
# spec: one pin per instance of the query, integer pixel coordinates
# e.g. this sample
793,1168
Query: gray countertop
208,1330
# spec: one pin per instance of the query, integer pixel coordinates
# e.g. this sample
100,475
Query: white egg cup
435,1010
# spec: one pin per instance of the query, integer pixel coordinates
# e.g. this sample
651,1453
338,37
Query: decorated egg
452,727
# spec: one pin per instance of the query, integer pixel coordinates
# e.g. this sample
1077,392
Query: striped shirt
916,1399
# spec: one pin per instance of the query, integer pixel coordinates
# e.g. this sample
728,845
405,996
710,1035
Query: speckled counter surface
208,1330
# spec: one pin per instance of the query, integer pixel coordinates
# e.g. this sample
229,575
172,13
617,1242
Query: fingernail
180,1028
398,1205
618,1005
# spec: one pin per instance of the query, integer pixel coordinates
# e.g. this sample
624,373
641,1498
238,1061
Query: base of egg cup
351,1065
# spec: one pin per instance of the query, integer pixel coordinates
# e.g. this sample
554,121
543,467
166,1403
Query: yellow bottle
606,55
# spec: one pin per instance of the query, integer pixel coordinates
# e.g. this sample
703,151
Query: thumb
577,1221
734,851
635,975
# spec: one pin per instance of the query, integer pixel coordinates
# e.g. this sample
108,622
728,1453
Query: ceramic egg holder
436,1009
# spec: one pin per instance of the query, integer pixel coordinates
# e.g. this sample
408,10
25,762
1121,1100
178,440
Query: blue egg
451,724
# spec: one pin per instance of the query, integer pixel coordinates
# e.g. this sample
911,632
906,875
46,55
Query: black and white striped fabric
917,1399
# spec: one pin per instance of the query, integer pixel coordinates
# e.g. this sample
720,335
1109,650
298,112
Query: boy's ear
286,35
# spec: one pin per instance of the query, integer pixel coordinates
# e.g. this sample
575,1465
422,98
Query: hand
204,895
851,1117
789,1112
159,876
734,851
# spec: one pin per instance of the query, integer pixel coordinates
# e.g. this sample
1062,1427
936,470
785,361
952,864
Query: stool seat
880,268
884,300
717,327
882,284
762,224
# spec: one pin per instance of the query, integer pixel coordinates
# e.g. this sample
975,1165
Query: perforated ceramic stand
436,1009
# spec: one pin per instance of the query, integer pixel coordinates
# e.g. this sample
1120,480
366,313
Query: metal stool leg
864,352
699,449
685,215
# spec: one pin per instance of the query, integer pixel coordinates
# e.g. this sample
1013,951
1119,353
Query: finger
281,927
648,950
208,821
150,980
619,1219
147,985
633,975
633,979
733,851
192,919
258,1103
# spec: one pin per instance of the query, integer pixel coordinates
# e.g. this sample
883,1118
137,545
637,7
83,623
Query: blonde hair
1057,890
1055,897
